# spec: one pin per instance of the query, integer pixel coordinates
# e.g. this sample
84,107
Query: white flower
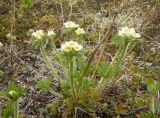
71,25
80,31
39,34
9,35
50,33
153,50
129,32
78,47
65,48
70,46
1,44
12,92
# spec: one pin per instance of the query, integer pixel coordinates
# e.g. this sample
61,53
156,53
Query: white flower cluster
10,36
80,31
50,33
1,44
129,32
72,25
71,46
39,34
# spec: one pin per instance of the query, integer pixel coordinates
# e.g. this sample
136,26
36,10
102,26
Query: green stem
55,93
103,82
109,69
65,70
16,109
123,55
153,107
48,62
72,78
115,57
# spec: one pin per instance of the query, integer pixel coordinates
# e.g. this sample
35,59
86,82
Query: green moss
5,26
50,19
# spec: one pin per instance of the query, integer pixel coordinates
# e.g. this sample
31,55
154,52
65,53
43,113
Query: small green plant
126,36
12,93
77,87
153,88
29,3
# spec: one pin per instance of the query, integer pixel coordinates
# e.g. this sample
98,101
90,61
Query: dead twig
105,39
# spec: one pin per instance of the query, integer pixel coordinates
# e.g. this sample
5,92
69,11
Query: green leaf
44,84
12,87
53,109
29,3
3,93
81,63
157,106
148,115
103,68
118,40
66,88
8,111
153,86
87,82
117,70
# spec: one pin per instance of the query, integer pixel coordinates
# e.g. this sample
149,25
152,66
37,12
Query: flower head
12,92
129,32
39,34
70,25
80,31
50,33
65,48
9,35
78,47
71,46
1,44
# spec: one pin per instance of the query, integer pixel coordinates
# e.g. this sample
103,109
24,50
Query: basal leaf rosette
126,35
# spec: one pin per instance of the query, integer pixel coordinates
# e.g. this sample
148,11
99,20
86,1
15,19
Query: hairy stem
115,57
108,71
65,70
153,107
105,39
16,109
48,62
112,69
72,78
55,93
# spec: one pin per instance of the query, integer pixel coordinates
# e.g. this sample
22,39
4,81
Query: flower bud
80,31
50,34
1,44
13,95
9,36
